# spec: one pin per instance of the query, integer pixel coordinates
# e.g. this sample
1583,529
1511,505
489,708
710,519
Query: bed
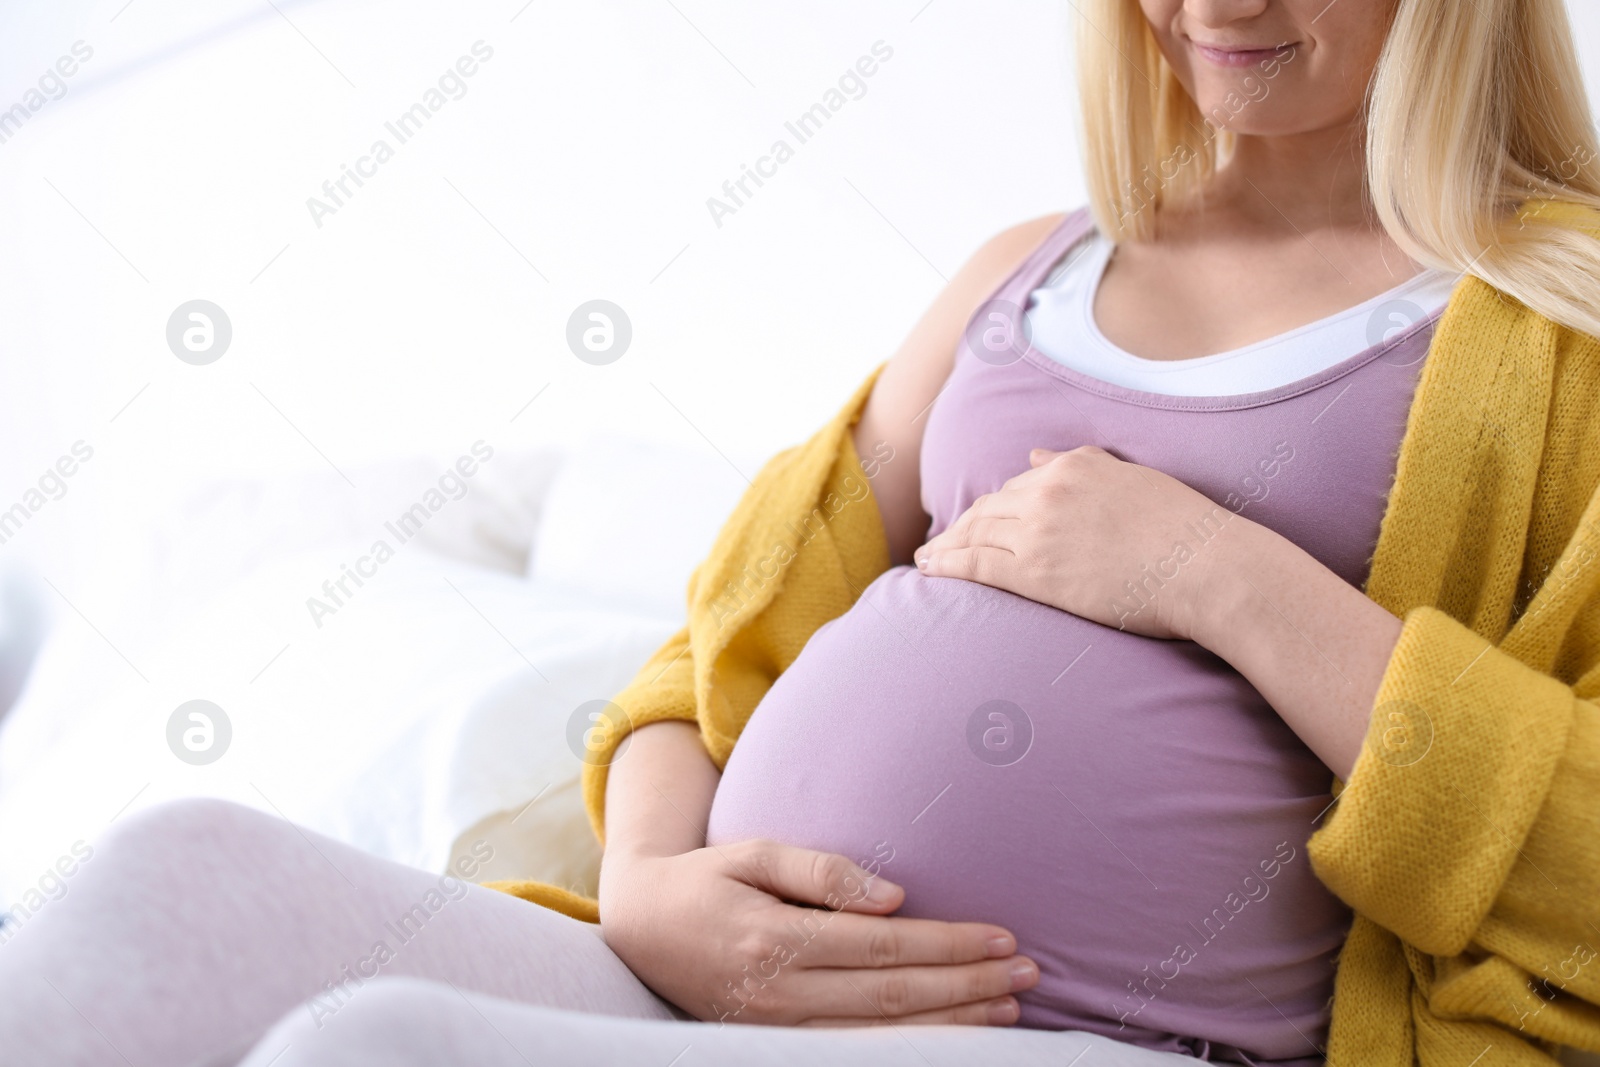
428,714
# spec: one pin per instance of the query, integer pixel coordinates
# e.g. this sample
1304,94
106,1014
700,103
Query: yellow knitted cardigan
1474,871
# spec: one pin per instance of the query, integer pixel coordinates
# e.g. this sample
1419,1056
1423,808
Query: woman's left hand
1120,544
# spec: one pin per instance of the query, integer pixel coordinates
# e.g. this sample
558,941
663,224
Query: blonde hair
1479,142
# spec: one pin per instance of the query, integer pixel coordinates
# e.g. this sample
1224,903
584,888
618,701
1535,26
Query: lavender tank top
1131,808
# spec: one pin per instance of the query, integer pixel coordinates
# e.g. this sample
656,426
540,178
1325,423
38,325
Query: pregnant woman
1020,696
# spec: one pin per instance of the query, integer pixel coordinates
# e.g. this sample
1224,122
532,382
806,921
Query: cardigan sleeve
799,548
1470,827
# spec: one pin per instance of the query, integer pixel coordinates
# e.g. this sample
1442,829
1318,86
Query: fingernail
1000,945
1004,1012
1023,974
881,891
922,561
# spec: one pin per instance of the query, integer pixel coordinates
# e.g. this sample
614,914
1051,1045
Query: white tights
203,934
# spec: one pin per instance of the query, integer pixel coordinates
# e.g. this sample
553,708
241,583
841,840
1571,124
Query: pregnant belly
1131,809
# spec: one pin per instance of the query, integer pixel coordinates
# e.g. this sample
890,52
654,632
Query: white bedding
435,698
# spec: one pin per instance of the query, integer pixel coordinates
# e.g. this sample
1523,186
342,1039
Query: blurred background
433,305
557,153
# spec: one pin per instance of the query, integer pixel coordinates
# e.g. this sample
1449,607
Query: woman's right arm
713,930
702,926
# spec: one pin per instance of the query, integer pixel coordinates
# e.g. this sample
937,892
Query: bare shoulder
1001,254
892,423
929,350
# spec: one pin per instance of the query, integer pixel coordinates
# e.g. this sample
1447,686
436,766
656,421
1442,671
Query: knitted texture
568,903
807,528
1467,840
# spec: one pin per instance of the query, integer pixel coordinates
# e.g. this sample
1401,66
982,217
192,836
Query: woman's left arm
1130,547
1312,644
1468,822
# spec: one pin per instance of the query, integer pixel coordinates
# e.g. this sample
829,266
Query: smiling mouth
1235,58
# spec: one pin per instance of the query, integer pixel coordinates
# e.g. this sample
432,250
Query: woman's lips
1239,57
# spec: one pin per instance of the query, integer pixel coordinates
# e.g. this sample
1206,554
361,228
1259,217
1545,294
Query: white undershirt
1060,316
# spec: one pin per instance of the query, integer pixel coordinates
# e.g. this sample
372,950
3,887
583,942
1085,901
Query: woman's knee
187,819
171,839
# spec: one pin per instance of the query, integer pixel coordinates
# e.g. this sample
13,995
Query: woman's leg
402,1022
197,925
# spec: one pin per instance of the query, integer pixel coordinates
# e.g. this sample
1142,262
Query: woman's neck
1306,181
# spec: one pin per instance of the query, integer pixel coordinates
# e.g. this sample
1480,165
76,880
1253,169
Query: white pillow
627,522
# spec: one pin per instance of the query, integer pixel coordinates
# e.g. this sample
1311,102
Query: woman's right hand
714,931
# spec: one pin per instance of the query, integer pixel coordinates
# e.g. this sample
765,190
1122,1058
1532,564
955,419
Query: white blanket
437,696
